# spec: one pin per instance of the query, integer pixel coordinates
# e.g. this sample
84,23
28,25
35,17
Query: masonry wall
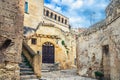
35,13
98,48
11,25
64,54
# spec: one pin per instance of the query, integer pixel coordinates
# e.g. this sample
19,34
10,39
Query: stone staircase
47,67
26,71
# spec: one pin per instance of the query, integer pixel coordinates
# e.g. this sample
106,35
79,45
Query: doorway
106,62
48,53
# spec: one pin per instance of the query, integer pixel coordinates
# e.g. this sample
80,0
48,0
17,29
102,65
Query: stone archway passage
48,52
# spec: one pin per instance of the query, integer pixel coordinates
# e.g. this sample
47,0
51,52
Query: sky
81,13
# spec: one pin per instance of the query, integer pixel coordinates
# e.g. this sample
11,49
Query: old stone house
47,32
98,47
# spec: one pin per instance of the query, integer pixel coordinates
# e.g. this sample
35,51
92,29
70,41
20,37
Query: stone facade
11,25
98,47
40,24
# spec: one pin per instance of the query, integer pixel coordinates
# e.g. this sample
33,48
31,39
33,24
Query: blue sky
81,13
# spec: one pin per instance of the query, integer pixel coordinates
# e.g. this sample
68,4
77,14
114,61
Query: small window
55,17
44,12
65,21
51,15
38,52
26,7
47,13
58,18
62,20
105,49
33,41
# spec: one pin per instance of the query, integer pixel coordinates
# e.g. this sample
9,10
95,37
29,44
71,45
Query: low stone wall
11,25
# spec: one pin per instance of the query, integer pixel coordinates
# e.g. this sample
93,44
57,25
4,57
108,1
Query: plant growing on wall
67,51
63,42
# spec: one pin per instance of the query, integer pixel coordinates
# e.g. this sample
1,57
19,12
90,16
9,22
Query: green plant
67,52
63,42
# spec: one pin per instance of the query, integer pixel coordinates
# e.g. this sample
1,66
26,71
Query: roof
28,30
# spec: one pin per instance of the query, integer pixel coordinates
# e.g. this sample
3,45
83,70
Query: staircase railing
33,58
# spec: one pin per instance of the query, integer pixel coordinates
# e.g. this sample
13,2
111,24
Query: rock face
11,25
98,48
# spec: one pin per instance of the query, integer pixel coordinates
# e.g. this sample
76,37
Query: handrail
31,52
33,58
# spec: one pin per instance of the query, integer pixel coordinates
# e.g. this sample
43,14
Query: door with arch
48,53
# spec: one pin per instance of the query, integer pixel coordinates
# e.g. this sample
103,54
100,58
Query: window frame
26,9
33,41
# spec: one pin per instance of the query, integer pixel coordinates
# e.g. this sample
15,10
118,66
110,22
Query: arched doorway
48,52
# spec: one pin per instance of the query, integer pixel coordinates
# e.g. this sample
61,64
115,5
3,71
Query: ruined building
98,47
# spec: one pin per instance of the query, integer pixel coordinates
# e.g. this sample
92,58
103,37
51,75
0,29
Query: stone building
11,35
98,47
47,32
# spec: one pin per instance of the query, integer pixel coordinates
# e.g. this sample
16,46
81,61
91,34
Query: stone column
11,25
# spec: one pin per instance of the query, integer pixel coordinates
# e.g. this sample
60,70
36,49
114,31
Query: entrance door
47,53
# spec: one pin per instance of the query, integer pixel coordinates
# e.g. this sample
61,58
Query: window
33,41
62,20
26,7
44,12
55,17
51,15
65,21
105,49
47,13
58,18
38,52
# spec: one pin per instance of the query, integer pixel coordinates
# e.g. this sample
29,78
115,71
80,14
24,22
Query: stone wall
11,25
98,48
35,13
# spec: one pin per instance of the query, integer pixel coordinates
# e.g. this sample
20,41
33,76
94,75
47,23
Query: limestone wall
98,49
35,13
55,18
46,29
64,54
11,25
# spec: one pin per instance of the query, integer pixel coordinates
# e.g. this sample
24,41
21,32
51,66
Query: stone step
45,70
68,78
29,77
47,66
26,69
26,72
23,66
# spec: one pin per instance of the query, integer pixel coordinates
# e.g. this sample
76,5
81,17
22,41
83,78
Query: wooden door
48,53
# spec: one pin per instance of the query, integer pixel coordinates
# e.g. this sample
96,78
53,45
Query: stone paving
63,75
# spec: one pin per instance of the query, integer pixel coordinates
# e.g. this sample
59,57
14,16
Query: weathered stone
11,23
99,49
